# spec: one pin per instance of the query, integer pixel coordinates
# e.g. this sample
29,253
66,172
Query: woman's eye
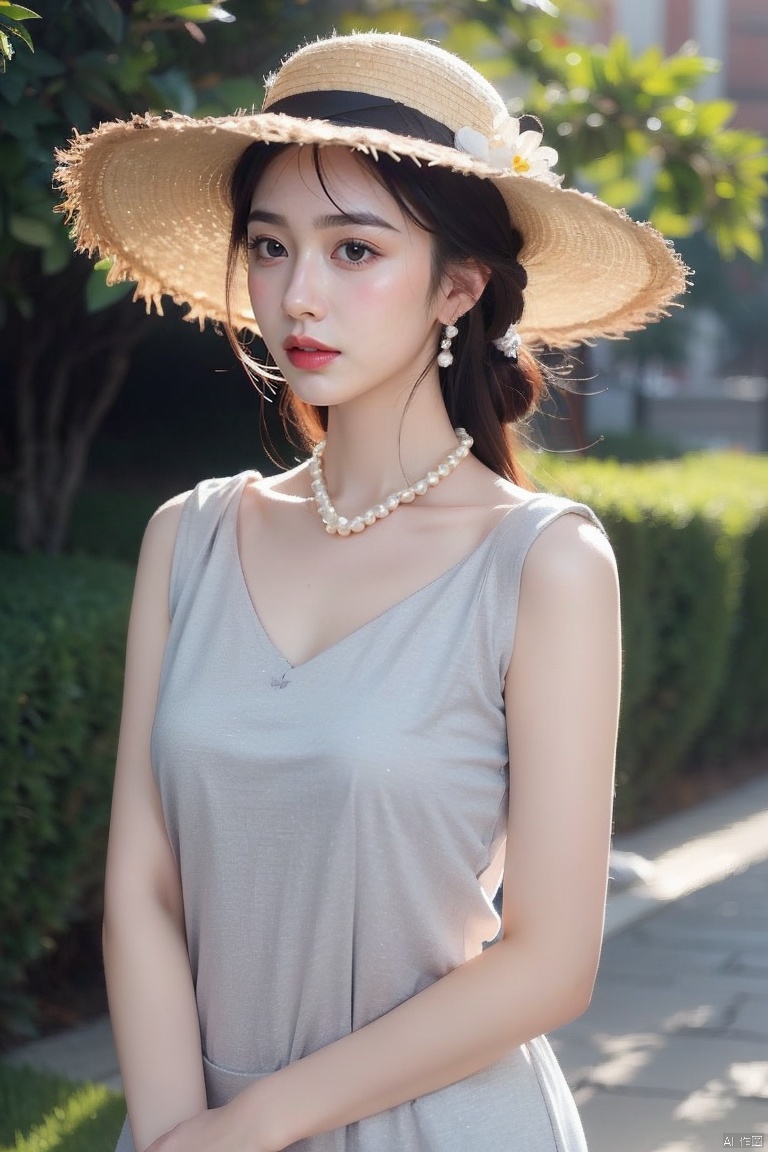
355,252
265,247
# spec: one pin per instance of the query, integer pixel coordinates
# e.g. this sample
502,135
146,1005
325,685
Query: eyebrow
334,220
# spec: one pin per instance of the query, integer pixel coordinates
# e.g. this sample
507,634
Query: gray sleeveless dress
339,826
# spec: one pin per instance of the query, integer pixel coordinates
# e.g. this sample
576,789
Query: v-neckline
234,543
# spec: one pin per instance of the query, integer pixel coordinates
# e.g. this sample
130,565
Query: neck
336,523
373,450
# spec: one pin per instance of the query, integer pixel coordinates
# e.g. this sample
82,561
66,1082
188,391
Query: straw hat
152,193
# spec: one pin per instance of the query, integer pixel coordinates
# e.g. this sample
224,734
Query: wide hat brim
152,194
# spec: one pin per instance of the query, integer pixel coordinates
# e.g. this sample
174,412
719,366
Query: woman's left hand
224,1129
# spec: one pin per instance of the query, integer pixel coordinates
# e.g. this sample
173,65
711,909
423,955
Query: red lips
306,343
309,354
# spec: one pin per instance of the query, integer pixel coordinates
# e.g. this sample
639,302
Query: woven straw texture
152,194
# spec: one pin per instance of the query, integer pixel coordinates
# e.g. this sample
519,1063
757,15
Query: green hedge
691,539
741,714
62,633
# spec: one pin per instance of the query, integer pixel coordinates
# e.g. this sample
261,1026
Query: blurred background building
706,385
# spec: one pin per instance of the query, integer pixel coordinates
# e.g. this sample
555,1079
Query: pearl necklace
344,526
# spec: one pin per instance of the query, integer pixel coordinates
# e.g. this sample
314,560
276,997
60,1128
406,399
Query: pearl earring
444,357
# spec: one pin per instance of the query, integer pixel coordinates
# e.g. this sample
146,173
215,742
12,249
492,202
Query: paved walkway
673,1050
672,1053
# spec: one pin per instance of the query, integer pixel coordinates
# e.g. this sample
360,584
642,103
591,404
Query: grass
45,1113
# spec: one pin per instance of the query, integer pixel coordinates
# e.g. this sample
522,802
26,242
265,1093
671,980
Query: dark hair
483,390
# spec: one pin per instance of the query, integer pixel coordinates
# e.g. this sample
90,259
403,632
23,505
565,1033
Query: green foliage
633,448
691,539
91,63
44,1113
12,17
62,629
99,293
612,112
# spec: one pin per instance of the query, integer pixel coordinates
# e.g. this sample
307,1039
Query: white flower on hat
508,147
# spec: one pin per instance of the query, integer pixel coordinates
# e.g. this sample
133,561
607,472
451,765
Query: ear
461,288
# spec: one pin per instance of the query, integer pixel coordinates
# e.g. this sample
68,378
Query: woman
337,676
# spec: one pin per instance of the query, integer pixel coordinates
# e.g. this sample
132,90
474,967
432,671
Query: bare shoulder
569,604
158,543
163,524
571,558
288,482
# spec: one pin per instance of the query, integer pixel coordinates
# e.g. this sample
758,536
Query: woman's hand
225,1129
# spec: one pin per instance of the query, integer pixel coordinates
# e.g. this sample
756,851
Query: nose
304,295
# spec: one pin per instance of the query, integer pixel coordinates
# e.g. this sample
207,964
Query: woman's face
341,288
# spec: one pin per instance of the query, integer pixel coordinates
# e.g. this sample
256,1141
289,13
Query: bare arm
562,708
149,983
